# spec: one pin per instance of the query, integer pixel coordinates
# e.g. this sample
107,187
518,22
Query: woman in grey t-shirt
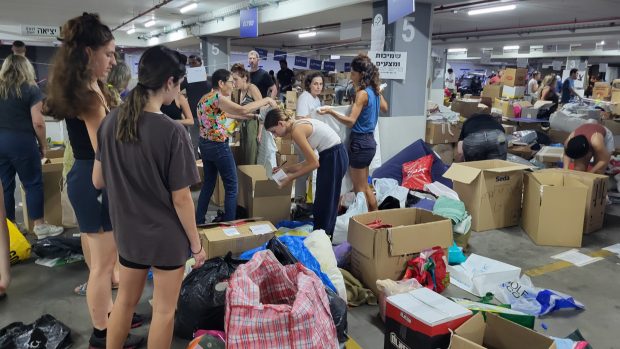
146,163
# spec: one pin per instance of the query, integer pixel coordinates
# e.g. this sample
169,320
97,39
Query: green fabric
249,142
356,293
450,208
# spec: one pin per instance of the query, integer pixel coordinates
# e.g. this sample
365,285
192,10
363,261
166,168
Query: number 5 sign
408,30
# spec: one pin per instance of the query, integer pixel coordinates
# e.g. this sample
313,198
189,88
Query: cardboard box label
236,237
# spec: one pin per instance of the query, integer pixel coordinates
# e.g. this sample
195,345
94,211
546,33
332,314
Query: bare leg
85,248
360,185
99,292
165,296
131,285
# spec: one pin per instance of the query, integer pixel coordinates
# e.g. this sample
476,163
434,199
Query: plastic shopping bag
46,332
19,249
341,229
429,269
269,305
417,173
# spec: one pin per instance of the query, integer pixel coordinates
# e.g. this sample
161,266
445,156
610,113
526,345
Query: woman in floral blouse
217,158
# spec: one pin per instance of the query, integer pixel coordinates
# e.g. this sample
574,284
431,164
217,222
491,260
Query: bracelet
198,250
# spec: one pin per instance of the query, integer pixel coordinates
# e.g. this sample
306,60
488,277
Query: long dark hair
369,72
68,92
309,78
156,66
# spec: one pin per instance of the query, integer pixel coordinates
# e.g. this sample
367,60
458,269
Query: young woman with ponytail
76,92
362,120
146,163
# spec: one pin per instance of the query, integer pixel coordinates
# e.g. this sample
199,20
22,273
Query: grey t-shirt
15,112
140,178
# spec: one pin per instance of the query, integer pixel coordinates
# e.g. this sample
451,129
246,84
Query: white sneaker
46,230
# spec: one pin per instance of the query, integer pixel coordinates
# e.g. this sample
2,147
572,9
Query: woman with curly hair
77,93
251,130
362,120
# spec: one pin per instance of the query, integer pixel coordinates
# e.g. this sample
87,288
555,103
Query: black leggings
131,265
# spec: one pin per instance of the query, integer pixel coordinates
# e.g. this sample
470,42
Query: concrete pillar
215,53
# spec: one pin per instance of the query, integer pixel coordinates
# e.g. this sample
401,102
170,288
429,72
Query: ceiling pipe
443,8
162,3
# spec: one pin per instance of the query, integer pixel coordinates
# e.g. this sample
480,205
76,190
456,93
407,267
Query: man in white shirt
532,85
450,81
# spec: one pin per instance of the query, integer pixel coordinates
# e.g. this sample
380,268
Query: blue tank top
367,121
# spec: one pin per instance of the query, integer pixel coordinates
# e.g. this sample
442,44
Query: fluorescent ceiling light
334,57
454,50
153,41
308,34
131,31
150,23
491,10
510,48
189,7
602,42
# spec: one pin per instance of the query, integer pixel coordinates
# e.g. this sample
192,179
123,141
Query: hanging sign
316,64
329,66
279,55
262,53
347,67
391,65
301,61
40,30
248,23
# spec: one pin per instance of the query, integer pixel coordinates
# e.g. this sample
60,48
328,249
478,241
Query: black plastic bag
389,203
282,253
57,247
338,308
45,333
202,300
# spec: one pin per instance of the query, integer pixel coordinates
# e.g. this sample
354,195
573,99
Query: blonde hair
549,80
253,53
15,72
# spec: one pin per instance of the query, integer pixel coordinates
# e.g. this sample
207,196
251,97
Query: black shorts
131,265
362,149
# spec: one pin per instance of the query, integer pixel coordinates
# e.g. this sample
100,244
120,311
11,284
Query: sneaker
45,230
131,342
137,320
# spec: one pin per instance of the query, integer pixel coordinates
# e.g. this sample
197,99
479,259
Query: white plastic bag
385,187
479,275
341,229
321,248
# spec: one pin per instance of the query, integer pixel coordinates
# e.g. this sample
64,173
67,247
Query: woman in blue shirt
362,120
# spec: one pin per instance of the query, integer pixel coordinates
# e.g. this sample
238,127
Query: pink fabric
269,305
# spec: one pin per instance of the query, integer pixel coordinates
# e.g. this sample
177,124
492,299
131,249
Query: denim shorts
362,149
90,204
485,145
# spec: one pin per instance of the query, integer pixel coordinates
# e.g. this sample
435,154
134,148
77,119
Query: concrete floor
37,290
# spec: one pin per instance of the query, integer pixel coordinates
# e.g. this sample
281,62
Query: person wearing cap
586,142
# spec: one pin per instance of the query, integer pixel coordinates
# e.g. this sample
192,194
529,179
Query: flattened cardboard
261,196
514,77
497,333
217,244
52,206
383,253
596,200
554,209
491,191
442,133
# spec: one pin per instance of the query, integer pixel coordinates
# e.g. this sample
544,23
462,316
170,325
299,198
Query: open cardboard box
497,333
261,196
554,206
491,191
383,253
52,204
237,236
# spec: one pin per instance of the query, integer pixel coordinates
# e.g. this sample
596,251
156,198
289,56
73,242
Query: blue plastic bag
296,246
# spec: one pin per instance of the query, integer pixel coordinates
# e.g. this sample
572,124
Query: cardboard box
514,77
261,196
285,146
497,333
513,92
613,126
615,96
291,100
557,136
554,206
550,155
218,192
383,253
509,129
289,159
492,91
421,319
52,206
441,133
601,90
596,200
491,191
469,107
237,237
504,106
55,153
446,152
524,151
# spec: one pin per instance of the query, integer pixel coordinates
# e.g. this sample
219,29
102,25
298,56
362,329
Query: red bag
417,173
429,269
269,305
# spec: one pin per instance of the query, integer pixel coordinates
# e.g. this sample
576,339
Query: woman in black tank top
179,110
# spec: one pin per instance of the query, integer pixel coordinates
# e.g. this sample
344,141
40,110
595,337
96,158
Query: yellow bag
19,247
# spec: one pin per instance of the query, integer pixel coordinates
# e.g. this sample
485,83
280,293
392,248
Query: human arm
600,153
98,181
38,123
300,136
565,159
459,151
184,207
235,109
188,118
361,98
383,104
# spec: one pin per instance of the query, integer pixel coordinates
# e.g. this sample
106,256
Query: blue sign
316,64
262,53
329,66
301,61
279,55
347,67
248,23
398,9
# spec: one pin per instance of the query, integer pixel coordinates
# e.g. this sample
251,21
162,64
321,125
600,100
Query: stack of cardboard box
291,100
471,105
511,90
286,151
442,137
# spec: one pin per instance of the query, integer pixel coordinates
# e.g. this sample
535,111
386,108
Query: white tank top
322,137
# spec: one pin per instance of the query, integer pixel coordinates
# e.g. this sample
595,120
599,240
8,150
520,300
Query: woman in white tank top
332,163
